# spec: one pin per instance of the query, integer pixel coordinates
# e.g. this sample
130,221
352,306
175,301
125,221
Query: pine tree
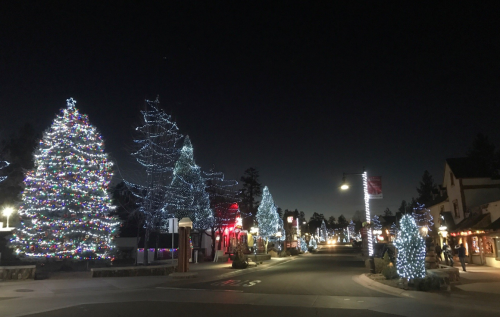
267,216
323,231
2,165
423,217
157,152
303,245
411,250
425,189
250,194
376,225
187,196
65,204
313,244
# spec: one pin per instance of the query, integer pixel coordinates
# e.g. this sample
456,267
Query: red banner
375,187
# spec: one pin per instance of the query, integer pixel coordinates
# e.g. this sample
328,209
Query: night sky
301,91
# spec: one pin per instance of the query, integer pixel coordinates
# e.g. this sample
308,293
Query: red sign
375,187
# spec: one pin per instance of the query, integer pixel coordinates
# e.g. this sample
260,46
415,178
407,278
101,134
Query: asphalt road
329,272
321,284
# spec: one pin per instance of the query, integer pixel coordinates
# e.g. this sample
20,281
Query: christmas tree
423,217
267,216
376,225
303,245
65,204
2,165
313,244
157,152
187,196
411,250
323,235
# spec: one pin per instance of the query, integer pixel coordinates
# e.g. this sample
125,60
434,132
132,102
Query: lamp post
7,212
369,235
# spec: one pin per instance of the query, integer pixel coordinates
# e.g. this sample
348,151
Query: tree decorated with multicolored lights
267,216
187,196
411,250
303,245
65,204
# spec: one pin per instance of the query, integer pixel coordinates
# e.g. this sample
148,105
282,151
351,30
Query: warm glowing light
8,211
289,219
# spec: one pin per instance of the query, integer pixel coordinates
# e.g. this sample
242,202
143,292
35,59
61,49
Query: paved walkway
69,282
481,279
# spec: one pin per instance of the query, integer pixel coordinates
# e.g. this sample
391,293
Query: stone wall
24,272
152,270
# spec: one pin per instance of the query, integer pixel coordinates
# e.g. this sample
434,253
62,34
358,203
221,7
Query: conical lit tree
411,250
187,196
65,204
323,233
267,216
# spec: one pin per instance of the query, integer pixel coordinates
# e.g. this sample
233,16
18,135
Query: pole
368,219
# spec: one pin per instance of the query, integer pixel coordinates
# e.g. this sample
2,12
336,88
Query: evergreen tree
303,245
411,250
65,204
267,217
387,212
351,229
187,196
427,186
224,199
313,244
342,222
394,229
331,222
18,151
376,225
423,217
323,231
250,194
2,165
157,152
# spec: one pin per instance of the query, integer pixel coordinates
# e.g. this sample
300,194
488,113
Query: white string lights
65,204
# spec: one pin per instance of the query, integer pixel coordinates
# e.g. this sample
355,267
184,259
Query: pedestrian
447,254
438,252
461,256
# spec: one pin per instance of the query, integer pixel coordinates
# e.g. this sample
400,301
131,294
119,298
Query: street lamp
7,212
369,235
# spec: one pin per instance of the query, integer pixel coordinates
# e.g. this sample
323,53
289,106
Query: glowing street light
344,185
7,212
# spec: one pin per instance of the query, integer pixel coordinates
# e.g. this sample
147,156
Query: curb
367,282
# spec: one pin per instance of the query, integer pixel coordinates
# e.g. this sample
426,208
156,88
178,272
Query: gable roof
466,167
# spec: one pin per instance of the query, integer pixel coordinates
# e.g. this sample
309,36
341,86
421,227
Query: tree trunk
146,240
213,243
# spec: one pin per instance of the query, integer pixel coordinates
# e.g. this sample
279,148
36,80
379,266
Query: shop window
475,245
488,246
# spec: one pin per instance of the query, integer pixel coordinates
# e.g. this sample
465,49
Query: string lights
411,250
267,215
187,196
65,204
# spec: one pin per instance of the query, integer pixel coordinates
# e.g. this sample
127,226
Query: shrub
294,251
425,284
390,272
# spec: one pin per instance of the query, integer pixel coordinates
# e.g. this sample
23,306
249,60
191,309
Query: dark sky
301,91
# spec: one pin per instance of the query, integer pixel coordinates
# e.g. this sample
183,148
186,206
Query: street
317,284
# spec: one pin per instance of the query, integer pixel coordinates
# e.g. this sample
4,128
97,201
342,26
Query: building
469,211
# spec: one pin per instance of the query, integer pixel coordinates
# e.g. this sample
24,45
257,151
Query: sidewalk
481,279
81,282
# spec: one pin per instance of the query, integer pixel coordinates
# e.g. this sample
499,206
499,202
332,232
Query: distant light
289,219
344,187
